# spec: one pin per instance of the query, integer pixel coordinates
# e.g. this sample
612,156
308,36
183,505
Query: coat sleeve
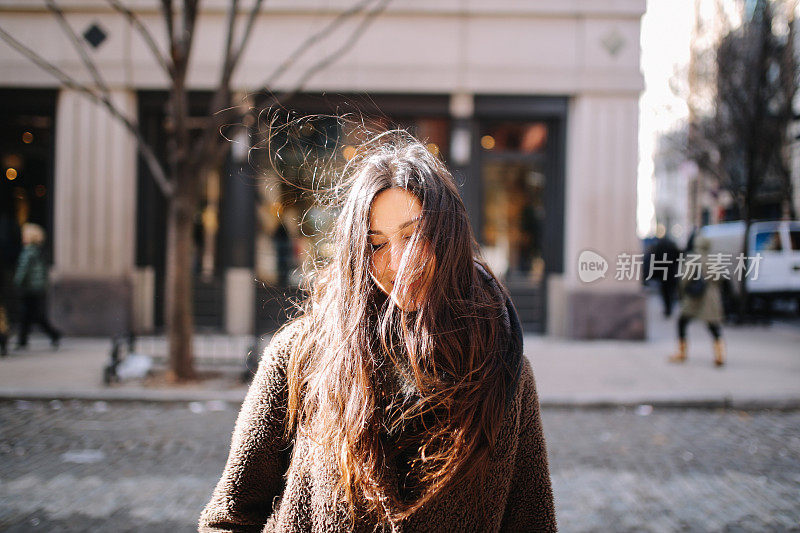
530,501
23,264
254,473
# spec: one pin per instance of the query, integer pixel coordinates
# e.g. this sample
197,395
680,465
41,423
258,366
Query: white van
777,242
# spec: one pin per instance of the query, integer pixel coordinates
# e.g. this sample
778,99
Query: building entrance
519,147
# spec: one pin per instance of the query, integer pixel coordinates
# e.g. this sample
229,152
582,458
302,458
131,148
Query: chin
407,304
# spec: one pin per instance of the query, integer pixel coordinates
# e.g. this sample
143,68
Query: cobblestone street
84,466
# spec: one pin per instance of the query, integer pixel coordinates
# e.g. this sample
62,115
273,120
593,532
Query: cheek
430,266
426,261
378,263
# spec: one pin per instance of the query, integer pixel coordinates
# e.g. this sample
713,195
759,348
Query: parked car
777,242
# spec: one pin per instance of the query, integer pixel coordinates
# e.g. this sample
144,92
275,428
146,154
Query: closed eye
375,247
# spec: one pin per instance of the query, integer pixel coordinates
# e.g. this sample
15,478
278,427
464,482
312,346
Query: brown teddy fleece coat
272,484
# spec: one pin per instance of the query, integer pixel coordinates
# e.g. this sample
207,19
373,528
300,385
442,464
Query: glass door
513,219
514,165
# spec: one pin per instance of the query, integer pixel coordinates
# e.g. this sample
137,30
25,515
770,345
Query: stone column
600,217
463,160
238,240
95,206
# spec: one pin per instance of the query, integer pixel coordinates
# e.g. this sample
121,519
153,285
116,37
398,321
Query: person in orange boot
700,299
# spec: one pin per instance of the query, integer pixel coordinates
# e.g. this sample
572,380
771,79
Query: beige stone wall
503,46
587,50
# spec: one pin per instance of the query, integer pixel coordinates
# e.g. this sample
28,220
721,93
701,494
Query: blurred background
153,228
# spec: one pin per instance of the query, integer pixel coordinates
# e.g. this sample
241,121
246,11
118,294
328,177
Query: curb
124,395
788,403
736,404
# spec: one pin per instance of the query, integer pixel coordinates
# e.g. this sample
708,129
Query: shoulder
26,252
525,402
286,336
279,347
269,379
526,383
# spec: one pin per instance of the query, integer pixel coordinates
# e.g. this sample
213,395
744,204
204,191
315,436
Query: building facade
533,104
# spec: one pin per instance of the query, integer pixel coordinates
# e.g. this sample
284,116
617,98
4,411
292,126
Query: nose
395,256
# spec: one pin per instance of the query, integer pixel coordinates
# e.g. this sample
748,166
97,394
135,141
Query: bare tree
190,156
741,138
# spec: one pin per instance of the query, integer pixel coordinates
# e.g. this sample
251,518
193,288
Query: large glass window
513,215
300,158
305,156
26,156
513,171
514,137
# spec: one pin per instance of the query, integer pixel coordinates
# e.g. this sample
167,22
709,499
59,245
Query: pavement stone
143,466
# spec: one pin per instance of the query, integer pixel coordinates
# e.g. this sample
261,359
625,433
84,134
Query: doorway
520,147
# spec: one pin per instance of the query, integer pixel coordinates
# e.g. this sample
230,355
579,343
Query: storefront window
306,156
520,206
514,137
302,157
25,152
513,214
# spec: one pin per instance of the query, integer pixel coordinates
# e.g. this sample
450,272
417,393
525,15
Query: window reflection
518,137
513,216
310,154
304,157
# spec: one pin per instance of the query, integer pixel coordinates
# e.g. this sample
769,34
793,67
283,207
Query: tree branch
251,18
166,186
169,20
331,57
220,116
340,51
233,7
303,47
189,20
221,96
145,34
78,44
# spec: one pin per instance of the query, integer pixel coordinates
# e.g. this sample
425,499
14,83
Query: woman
31,277
701,298
400,399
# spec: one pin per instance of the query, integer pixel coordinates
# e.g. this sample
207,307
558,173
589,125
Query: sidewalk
763,370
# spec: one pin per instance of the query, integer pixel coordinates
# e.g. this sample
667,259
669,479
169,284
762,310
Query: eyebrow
404,225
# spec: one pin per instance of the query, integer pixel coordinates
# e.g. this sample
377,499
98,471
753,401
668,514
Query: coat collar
513,354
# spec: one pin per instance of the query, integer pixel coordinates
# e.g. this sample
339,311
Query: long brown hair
405,402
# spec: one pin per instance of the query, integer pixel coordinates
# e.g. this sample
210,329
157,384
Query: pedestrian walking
701,299
399,399
665,254
31,277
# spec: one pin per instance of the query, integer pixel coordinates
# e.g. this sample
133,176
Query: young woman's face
393,218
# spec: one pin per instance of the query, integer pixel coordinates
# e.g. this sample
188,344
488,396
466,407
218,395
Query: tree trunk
180,314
